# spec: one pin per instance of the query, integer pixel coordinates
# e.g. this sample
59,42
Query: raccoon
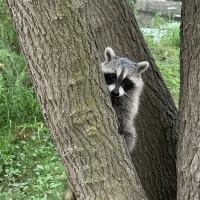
123,78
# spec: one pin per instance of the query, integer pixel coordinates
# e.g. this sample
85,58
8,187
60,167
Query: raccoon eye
113,76
126,80
127,84
110,78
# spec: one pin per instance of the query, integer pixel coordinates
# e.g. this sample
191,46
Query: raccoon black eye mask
125,84
110,78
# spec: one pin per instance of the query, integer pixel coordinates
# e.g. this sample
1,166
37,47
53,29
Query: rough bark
188,157
62,42
60,51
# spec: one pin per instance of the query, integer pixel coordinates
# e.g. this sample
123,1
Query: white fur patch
118,71
105,69
111,87
142,66
125,74
121,91
109,54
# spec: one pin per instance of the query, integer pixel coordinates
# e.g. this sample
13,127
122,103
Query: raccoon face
121,74
117,85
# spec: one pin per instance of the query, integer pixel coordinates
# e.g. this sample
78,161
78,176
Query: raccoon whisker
128,96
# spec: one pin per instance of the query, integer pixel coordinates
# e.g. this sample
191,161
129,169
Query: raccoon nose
115,92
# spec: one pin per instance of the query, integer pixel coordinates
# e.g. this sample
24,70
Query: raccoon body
123,78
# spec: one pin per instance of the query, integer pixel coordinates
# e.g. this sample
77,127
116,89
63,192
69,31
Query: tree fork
62,43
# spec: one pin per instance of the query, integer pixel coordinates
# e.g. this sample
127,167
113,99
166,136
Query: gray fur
127,102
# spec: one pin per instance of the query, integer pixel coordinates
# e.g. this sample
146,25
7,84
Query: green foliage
164,43
132,6
17,99
131,3
8,39
30,167
170,29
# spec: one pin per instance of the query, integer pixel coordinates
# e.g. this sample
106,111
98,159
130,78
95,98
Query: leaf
40,167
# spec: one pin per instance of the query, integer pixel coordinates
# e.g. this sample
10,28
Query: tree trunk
62,43
188,156
60,51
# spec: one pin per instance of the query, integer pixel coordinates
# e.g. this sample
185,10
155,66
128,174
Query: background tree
62,43
189,135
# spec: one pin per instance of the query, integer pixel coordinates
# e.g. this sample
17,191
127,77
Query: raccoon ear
142,66
109,54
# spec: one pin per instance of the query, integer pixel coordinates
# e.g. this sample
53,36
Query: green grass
30,167
165,50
